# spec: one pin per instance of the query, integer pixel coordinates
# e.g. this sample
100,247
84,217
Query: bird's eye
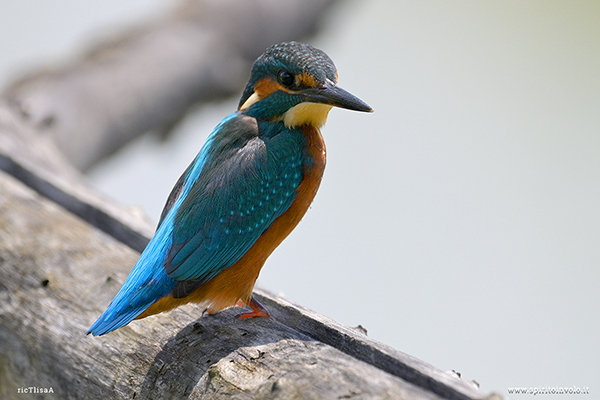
286,79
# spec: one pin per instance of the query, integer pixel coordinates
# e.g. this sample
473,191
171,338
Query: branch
58,272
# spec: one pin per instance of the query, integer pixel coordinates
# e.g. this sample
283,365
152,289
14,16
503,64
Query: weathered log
34,159
58,272
149,76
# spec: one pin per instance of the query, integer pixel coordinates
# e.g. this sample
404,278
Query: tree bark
59,273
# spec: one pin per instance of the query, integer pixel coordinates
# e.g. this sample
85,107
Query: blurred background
459,223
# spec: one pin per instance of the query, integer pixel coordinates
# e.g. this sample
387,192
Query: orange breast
237,281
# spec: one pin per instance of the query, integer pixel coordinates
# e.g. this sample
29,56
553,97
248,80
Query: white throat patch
314,114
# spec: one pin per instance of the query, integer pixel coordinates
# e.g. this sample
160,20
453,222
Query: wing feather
248,180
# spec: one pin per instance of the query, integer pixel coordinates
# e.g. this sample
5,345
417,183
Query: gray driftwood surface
65,250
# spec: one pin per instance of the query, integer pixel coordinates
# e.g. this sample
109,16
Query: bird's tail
142,287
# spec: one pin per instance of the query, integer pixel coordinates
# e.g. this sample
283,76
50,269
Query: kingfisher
246,190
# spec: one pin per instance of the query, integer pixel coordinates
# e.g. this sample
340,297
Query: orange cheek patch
266,86
263,88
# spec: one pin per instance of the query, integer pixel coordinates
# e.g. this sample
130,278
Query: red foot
257,310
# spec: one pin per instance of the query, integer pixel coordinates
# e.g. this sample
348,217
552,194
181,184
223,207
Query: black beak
334,95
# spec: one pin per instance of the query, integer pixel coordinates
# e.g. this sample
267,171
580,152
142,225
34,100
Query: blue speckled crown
293,57
299,57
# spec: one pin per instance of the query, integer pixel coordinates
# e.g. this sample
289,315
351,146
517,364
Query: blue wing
248,178
241,181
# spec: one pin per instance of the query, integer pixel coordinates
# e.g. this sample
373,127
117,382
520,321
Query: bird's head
296,83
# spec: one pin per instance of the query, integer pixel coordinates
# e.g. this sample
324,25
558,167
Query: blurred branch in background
147,77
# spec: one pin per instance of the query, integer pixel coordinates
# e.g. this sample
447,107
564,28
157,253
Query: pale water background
459,223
